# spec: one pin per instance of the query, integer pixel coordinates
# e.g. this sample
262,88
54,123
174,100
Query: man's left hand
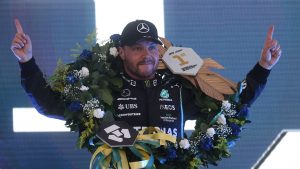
271,51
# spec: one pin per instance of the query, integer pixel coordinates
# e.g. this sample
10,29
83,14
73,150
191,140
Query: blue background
230,31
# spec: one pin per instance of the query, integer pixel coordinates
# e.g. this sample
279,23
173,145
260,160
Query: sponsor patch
127,106
167,107
164,94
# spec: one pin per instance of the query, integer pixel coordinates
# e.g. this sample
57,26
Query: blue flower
71,79
75,106
86,54
243,112
235,129
206,143
115,37
162,160
171,154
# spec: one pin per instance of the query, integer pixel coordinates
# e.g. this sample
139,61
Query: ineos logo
143,28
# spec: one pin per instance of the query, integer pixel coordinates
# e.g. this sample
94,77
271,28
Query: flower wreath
87,87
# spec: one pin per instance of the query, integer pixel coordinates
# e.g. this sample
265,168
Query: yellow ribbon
106,151
155,136
138,164
124,159
145,158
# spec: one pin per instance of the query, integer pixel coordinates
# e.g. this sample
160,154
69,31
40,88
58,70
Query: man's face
140,60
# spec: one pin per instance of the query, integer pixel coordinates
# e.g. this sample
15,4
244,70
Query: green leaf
117,82
91,39
222,148
86,96
108,117
75,55
57,80
75,50
203,126
96,48
106,96
94,87
237,121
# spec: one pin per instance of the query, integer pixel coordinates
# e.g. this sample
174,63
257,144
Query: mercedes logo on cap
143,28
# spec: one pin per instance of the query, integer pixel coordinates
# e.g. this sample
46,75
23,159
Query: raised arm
257,78
41,95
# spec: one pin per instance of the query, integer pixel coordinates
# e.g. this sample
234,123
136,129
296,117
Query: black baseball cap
139,29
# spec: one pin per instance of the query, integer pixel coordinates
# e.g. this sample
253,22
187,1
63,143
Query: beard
143,70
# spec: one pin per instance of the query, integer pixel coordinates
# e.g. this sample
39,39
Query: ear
121,52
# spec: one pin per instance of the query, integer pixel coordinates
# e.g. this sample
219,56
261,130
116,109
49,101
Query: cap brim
133,41
154,40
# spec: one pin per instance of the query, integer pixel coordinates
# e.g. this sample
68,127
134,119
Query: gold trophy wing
211,83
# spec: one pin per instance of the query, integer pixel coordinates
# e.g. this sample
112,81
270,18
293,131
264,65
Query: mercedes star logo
126,93
143,28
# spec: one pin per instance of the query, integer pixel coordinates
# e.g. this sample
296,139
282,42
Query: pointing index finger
18,26
270,33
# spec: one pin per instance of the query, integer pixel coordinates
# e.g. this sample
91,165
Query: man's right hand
21,44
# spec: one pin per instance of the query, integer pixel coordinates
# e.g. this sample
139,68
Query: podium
283,152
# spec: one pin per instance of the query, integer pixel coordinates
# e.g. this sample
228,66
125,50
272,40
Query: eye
137,48
152,47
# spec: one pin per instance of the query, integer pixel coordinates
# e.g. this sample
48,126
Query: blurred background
230,31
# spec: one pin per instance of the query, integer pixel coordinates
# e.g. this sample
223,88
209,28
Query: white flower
113,51
90,105
84,88
98,113
184,144
84,72
210,132
226,105
67,89
221,119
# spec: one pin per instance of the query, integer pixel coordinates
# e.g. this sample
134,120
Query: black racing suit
161,102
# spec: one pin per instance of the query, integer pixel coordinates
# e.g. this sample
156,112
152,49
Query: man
148,97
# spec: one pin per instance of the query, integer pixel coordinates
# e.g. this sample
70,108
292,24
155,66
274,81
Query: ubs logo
127,106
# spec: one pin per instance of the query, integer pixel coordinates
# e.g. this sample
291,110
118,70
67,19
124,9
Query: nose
145,52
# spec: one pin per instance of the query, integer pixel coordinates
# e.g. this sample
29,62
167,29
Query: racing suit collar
162,77
142,83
